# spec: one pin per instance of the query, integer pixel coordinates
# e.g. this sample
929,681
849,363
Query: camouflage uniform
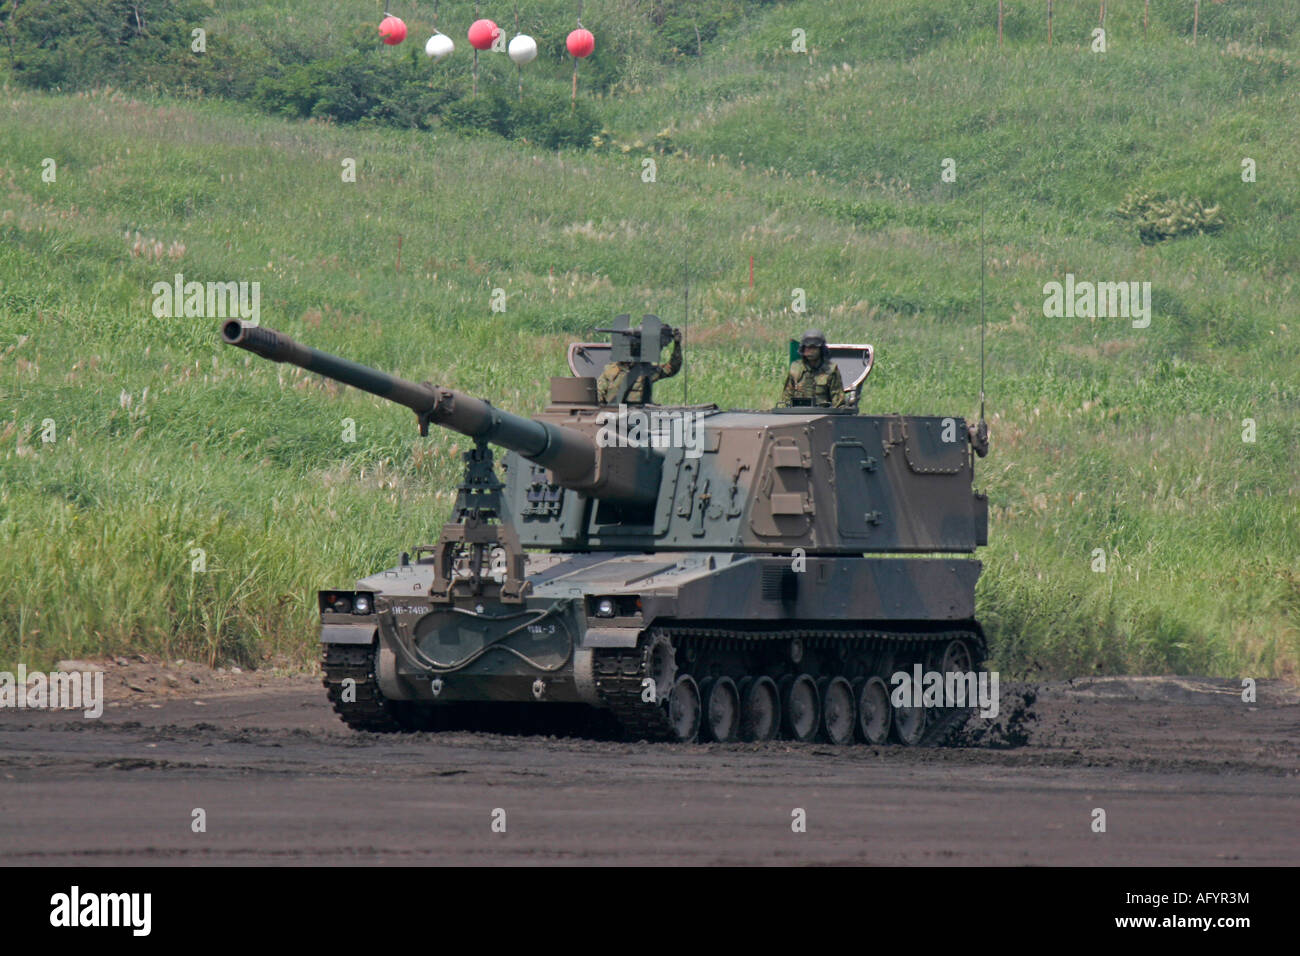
614,377
820,383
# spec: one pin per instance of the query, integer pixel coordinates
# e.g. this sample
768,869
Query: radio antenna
981,308
686,323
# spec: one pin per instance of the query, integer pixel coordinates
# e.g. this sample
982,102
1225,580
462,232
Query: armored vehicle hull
741,645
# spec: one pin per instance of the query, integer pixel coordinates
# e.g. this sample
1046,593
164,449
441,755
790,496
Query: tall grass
1106,438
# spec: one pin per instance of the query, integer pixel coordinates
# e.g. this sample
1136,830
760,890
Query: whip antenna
686,322
981,310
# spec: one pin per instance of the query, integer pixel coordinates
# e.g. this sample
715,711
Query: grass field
825,167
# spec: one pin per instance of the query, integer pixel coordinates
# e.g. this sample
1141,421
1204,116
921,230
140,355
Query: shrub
1159,217
551,122
73,44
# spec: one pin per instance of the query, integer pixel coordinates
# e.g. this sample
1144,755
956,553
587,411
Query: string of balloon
483,34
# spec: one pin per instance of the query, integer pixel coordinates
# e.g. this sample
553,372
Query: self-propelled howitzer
691,570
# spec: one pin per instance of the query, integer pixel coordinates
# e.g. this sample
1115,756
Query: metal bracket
697,526
733,494
478,528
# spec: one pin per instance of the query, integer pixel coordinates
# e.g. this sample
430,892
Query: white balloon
439,45
522,49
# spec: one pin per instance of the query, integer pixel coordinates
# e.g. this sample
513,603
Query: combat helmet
814,337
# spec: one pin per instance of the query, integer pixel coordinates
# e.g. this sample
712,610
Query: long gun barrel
571,456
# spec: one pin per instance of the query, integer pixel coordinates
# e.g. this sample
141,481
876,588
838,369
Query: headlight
342,605
362,605
605,607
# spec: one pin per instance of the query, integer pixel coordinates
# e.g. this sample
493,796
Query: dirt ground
1185,771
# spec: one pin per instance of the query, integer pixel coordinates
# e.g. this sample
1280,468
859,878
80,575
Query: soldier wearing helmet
625,377
814,379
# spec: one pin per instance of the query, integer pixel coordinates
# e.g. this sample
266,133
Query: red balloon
482,33
392,30
581,43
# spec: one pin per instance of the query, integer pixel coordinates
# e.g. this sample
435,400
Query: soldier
814,379
614,377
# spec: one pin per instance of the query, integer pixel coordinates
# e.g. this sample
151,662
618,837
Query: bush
353,88
551,122
686,27
73,44
77,44
1159,217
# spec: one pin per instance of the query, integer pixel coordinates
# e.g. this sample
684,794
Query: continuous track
702,653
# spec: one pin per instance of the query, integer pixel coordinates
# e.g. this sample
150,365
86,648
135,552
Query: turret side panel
759,482
869,483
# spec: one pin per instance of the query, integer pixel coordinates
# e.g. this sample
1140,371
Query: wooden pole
1196,19
999,23
1146,17
1049,22
573,103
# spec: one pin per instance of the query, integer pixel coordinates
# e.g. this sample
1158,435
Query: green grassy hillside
825,167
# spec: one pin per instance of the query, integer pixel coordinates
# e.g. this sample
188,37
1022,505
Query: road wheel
684,709
721,700
839,712
874,713
909,725
800,707
760,709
